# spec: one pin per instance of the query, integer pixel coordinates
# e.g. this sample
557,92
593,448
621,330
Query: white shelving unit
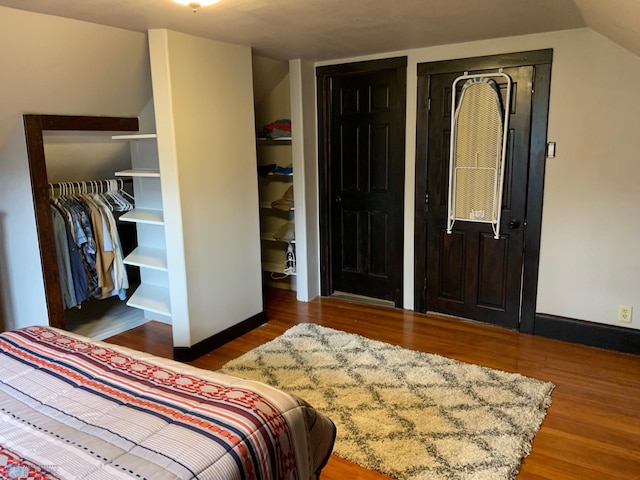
143,172
265,140
267,205
134,136
154,258
143,215
272,186
271,237
152,296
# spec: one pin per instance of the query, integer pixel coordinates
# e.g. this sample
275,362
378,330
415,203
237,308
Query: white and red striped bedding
71,407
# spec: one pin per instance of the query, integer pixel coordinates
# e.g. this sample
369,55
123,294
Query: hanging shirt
64,263
104,258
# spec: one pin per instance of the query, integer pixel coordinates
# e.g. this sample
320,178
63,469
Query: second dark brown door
470,273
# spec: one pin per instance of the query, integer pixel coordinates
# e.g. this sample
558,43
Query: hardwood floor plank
592,429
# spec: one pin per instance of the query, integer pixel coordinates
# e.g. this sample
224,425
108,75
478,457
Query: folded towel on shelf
286,232
286,202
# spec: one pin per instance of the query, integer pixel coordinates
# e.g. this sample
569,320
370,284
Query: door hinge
429,105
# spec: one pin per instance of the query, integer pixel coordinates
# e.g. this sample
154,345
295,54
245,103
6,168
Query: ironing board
479,128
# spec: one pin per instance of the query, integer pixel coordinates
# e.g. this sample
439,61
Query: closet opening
71,155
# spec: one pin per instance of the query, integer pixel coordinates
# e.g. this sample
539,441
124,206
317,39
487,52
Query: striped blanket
71,407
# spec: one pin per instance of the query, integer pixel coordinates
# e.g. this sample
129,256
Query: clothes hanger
122,194
114,202
112,197
123,191
105,195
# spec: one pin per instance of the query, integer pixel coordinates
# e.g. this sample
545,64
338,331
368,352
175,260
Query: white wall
590,260
305,171
267,74
275,105
589,263
52,65
203,96
21,282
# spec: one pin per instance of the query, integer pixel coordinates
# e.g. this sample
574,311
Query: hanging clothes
112,275
88,248
63,255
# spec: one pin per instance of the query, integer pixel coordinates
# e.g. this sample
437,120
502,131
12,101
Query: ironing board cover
476,157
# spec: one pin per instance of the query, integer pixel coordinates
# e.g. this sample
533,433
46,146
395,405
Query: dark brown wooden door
470,273
366,183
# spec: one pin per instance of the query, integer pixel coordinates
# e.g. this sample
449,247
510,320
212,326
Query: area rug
408,414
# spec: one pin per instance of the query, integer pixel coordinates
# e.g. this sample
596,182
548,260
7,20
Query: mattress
71,407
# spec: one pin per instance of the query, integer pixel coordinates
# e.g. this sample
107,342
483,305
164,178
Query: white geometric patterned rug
408,414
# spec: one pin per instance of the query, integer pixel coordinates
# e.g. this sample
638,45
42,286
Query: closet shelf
144,215
152,298
274,141
153,258
269,237
134,136
139,172
277,174
274,268
268,205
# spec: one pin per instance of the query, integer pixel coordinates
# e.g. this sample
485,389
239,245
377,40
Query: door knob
514,224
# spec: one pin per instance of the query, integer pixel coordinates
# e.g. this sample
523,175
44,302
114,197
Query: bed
71,407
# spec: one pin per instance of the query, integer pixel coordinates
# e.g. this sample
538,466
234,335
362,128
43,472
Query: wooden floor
591,431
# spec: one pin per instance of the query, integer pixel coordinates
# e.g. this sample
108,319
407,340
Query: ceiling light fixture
196,5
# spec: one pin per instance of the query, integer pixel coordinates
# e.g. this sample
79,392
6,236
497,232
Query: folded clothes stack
272,168
278,129
288,170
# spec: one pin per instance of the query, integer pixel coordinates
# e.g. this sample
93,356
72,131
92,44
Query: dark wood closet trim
541,60
34,126
489,62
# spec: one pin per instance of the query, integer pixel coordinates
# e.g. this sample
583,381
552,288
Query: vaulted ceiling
331,29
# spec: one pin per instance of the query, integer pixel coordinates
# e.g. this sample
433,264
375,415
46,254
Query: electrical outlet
624,313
